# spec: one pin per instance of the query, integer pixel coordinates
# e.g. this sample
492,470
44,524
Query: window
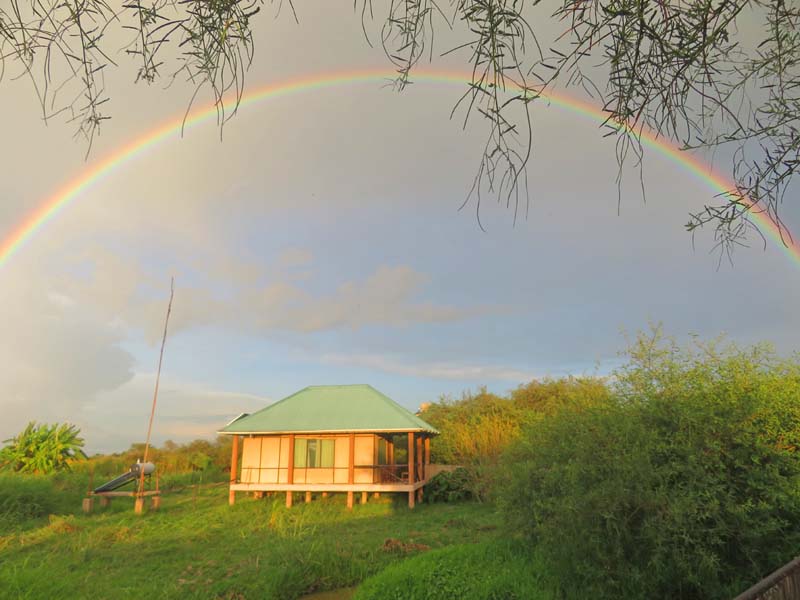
313,454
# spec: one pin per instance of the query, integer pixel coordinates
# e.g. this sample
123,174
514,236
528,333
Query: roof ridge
402,409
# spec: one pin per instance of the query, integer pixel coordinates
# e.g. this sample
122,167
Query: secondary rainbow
116,159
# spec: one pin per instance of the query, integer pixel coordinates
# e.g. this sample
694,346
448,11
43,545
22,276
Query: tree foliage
716,75
683,485
476,429
42,449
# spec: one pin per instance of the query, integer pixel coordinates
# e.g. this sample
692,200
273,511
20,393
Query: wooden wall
265,459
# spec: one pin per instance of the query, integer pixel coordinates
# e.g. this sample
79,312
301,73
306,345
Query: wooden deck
327,487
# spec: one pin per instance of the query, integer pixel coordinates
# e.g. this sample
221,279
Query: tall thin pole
155,393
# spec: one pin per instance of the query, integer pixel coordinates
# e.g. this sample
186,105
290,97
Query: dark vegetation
677,477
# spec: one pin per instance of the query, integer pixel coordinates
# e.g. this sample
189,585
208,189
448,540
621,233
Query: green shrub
450,486
23,498
686,486
477,428
494,571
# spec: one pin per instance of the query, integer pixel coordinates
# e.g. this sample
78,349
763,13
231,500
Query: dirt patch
401,547
341,594
61,524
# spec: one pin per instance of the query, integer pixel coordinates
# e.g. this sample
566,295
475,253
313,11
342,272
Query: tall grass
27,500
486,571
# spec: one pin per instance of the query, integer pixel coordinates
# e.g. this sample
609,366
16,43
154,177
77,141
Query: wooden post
308,497
234,468
88,504
138,505
363,497
427,457
105,501
258,495
376,495
411,465
155,502
420,472
351,469
290,472
324,494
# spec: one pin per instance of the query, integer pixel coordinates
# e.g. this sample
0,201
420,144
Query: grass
495,570
197,546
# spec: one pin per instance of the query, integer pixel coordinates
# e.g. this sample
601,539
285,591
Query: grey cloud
54,358
185,411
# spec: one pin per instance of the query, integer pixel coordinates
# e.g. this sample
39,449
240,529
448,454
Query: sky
321,241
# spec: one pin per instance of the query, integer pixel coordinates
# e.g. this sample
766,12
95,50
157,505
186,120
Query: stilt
308,497
234,468
411,495
289,499
105,501
155,502
138,505
324,494
419,495
350,499
376,495
258,495
363,497
88,504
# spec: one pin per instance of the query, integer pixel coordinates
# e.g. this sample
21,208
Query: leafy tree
478,428
684,485
711,75
43,449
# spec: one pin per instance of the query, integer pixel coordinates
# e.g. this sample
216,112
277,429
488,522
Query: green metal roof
330,408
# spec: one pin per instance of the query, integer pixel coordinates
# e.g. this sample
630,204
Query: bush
450,486
23,498
477,428
686,486
496,571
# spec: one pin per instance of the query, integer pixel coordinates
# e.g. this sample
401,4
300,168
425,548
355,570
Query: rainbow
103,168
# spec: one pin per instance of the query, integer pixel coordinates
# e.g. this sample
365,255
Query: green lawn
199,547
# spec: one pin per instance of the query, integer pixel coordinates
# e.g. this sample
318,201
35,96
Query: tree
683,485
42,449
695,72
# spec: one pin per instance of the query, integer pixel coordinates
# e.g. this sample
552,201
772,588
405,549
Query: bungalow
331,438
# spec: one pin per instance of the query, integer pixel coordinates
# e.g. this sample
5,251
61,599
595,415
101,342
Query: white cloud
437,370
